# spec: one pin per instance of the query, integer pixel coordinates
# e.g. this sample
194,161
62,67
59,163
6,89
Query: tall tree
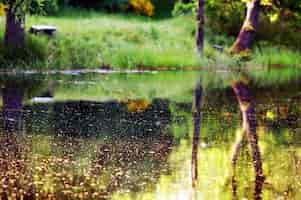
200,26
14,32
15,20
249,27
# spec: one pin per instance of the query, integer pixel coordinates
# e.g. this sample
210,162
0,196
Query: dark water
167,135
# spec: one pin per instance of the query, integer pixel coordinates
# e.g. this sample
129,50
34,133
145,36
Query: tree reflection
16,89
247,108
196,133
125,151
12,107
13,153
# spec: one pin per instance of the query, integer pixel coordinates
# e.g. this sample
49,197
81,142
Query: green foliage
184,8
110,5
49,7
229,20
162,8
281,32
23,6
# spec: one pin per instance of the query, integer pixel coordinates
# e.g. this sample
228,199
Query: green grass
276,57
33,55
89,39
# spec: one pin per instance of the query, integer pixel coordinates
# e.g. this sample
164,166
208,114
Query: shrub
281,32
3,8
184,8
109,5
143,7
113,5
49,7
228,21
164,7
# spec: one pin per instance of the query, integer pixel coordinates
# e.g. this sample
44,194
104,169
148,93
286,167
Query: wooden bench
218,48
44,29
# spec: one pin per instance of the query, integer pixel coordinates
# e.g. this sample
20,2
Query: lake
151,135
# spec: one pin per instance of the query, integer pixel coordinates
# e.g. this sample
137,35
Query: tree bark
14,33
200,27
196,133
247,107
249,28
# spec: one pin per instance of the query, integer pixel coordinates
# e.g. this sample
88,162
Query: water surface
164,135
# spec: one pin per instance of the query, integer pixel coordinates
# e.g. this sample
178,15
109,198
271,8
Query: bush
184,8
163,7
281,32
143,7
229,21
49,7
109,5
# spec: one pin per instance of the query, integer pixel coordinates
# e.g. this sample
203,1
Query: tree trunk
249,28
247,107
196,133
200,27
14,33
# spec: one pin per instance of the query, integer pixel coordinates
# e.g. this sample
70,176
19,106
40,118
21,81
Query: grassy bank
87,39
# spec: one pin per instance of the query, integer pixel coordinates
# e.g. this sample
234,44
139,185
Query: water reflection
247,108
196,138
196,133
81,149
135,137
12,107
15,182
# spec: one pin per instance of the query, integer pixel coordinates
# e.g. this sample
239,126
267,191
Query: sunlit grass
273,56
91,39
